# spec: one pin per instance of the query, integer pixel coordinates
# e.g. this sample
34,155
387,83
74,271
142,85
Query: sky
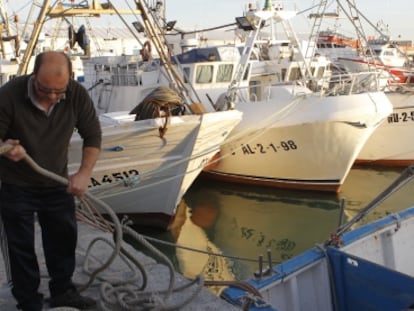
395,15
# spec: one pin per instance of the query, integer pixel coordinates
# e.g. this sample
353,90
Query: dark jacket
45,138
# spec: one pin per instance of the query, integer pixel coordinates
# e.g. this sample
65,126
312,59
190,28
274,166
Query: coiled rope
161,102
119,294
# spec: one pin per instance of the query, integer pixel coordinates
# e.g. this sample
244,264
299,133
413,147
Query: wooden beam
96,10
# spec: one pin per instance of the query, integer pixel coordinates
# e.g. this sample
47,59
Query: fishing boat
387,145
293,134
397,80
396,74
381,148
363,53
149,157
386,55
395,67
142,174
367,268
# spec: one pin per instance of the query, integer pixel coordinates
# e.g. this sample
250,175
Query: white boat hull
308,145
389,144
138,172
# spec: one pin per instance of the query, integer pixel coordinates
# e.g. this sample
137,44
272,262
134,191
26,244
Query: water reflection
247,221
364,184
242,221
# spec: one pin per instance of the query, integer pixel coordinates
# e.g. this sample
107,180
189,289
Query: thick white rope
150,299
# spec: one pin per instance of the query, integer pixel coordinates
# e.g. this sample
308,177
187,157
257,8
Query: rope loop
162,102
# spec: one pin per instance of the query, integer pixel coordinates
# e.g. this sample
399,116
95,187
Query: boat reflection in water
244,222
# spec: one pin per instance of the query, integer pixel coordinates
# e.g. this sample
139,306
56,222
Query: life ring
146,51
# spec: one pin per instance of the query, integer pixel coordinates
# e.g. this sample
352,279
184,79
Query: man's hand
78,184
17,152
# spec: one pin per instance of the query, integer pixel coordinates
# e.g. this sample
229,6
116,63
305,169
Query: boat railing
285,5
351,83
344,83
337,51
264,91
333,85
128,75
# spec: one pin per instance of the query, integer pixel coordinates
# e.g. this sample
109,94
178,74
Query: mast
155,31
5,32
5,19
46,11
33,38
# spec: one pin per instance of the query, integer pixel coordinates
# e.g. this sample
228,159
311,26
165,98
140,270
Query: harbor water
222,229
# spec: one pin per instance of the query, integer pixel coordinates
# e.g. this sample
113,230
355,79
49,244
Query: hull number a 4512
113,177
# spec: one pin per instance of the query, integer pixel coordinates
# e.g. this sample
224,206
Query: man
38,114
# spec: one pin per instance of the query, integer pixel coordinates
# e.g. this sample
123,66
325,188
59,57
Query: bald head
53,63
51,77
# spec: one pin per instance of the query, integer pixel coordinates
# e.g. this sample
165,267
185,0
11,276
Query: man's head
51,74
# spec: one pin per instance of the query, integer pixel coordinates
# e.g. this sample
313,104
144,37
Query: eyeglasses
41,89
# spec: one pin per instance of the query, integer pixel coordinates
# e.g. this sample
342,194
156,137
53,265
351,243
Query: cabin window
224,73
283,74
204,74
186,72
295,74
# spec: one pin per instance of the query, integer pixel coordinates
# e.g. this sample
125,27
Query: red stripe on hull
288,184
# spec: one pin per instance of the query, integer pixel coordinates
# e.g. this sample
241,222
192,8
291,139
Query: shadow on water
244,222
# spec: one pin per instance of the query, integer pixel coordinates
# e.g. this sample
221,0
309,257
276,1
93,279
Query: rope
116,224
202,251
161,102
123,292
3,238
